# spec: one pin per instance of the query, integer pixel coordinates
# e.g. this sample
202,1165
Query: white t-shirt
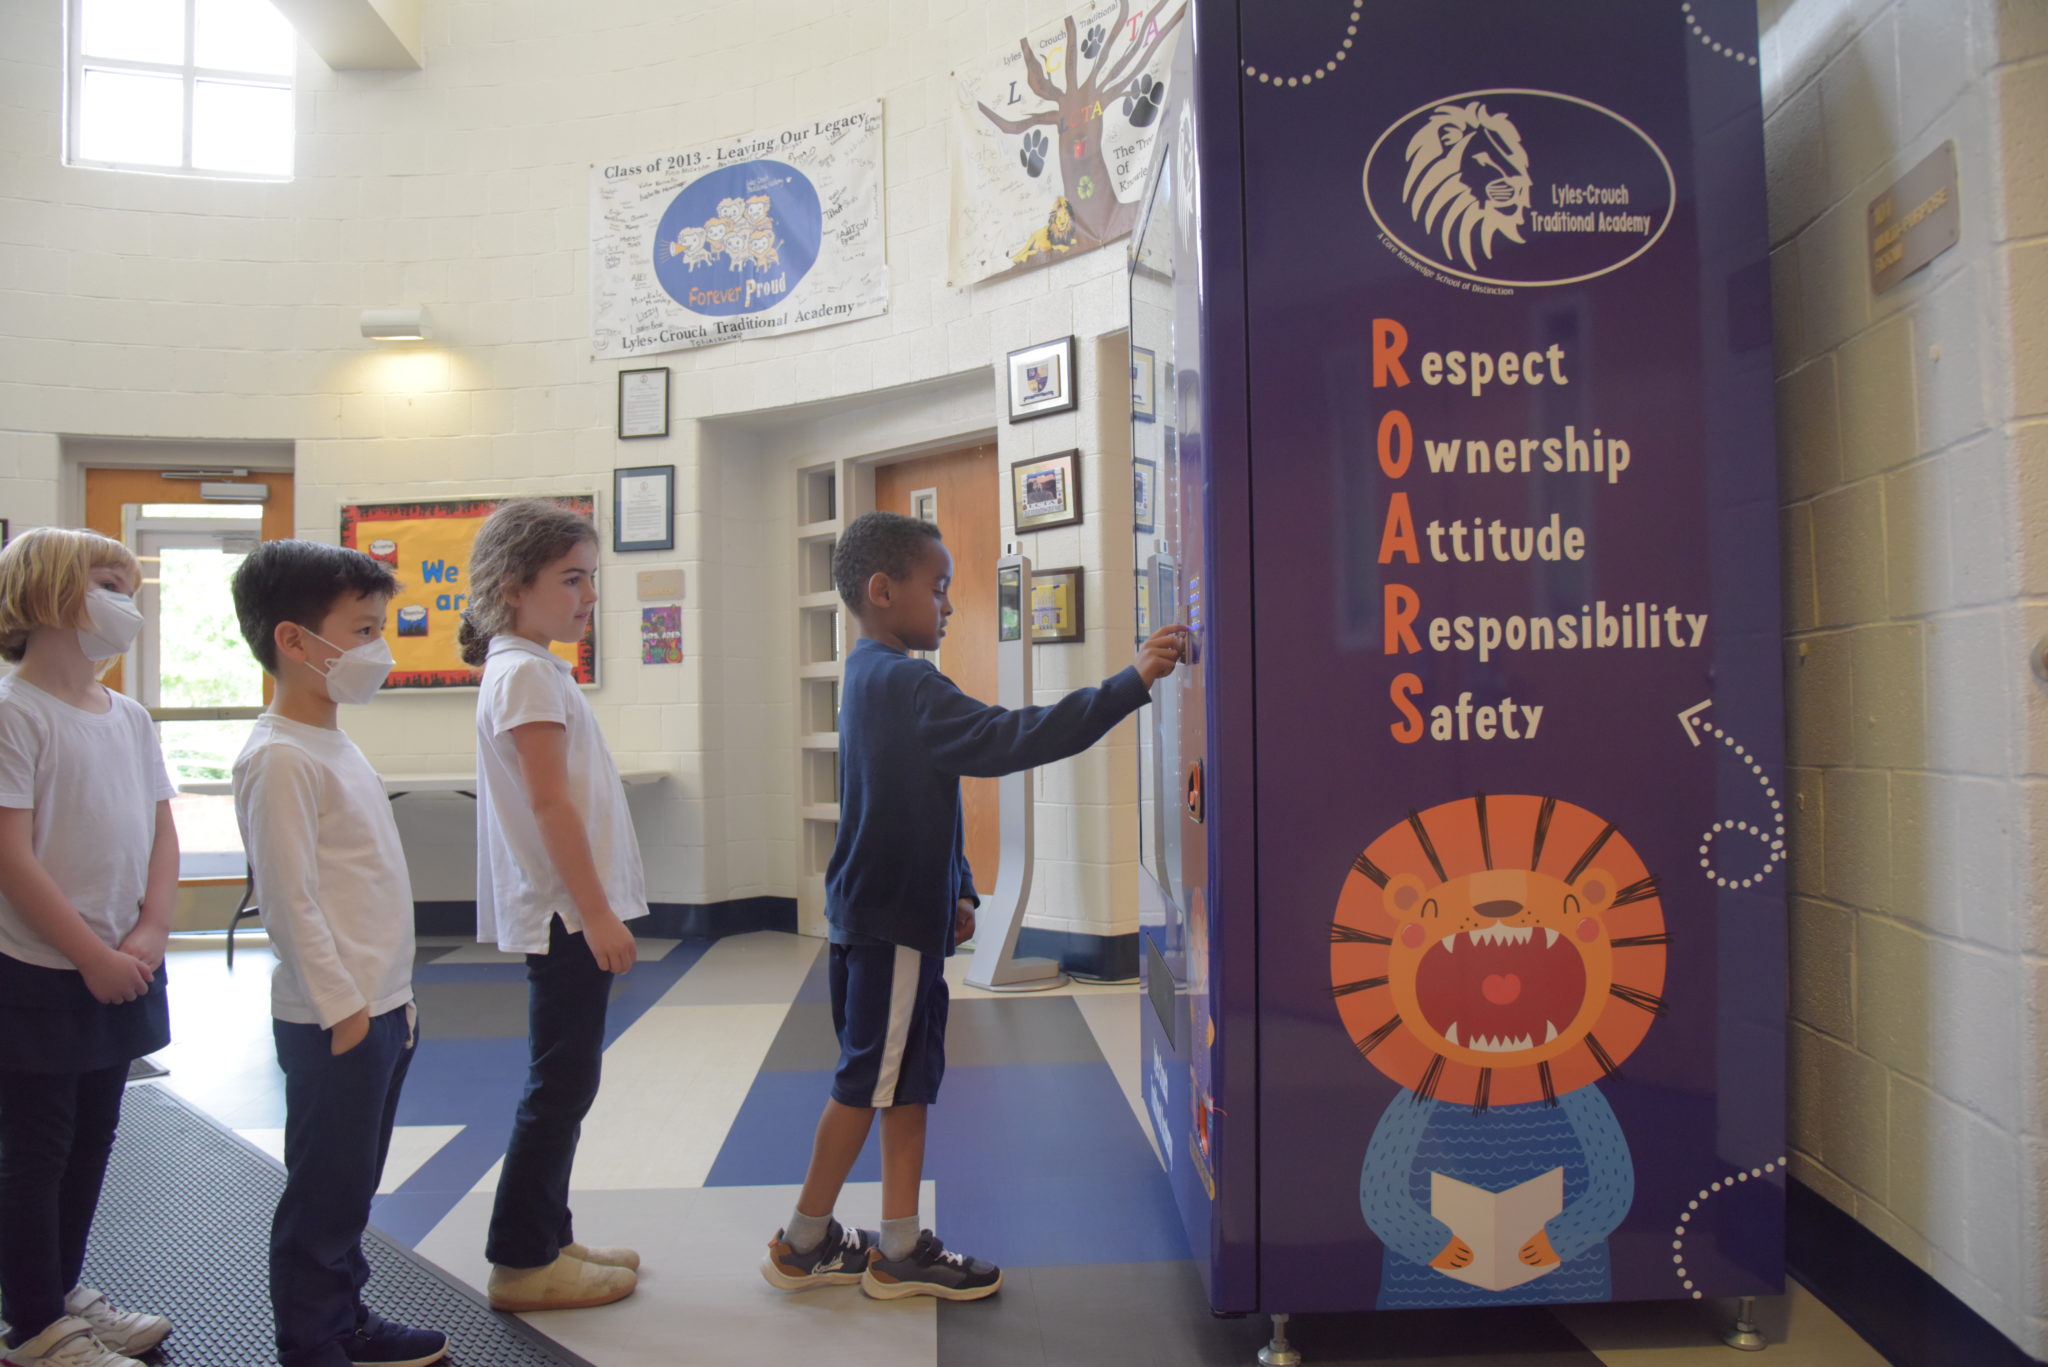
331,881
93,780
517,888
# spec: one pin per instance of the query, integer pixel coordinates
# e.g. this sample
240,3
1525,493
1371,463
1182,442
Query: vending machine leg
1745,1337
1279,1353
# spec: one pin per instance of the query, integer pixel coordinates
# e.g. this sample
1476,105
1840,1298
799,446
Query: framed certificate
643,402
644,508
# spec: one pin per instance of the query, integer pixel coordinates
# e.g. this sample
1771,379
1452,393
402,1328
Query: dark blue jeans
56,1130
566,998
337,1132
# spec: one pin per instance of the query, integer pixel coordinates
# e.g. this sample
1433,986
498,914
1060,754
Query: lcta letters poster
426,544
1052,139
777,231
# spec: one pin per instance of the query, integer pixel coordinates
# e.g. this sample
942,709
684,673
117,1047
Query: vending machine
1463,827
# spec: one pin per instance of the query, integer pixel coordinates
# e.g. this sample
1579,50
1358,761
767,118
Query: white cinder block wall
1913,441
150,306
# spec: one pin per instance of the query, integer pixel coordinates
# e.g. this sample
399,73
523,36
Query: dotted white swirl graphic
1773,840
1314,73
1692,1208
1711,42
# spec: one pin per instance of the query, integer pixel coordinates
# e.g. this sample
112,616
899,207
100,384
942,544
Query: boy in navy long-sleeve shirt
899,896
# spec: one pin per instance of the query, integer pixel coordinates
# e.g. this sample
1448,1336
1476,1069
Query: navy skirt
50,1023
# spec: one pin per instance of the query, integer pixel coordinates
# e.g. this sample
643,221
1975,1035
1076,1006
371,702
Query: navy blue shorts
889,1010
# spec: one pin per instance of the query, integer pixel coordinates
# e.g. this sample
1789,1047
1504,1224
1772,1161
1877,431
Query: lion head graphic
1467,167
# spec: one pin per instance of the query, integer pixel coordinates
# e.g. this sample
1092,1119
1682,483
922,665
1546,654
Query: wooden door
967,492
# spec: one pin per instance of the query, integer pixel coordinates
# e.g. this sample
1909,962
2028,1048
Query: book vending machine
1463,827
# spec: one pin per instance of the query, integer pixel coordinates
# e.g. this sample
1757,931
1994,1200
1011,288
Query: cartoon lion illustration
1057,236
1467,167
718,240
733,210
1497,957
689,245
760,213
764,253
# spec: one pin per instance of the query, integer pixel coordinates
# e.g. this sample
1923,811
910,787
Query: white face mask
112,624
354,676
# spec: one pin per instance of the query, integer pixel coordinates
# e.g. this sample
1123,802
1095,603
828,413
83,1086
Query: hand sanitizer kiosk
995,967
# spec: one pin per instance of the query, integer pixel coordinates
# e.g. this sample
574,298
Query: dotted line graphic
1314,74
1773,843
1693,23
1707,1193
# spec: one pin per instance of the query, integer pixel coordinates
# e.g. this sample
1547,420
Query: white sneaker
567,1283
124,1331
605,1257
67,1343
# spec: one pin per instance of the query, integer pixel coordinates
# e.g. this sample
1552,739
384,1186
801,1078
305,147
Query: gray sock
806,1232
899,1237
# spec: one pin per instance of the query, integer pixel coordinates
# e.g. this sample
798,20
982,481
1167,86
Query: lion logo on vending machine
1467,166
1498,957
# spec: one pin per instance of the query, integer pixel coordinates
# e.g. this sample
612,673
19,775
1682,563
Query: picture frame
1046,492
644,508
1144,394
643,402
4,537
1059,609
1042,379
1144,494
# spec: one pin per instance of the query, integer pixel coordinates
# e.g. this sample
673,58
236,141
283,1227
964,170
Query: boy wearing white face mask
332,886
88,873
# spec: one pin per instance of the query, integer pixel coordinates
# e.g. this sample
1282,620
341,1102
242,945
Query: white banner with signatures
1052,138
776,231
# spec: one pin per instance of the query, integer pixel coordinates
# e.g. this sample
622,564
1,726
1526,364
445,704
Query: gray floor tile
472,1010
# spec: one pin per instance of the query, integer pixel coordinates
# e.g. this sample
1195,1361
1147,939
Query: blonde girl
558,876
88,873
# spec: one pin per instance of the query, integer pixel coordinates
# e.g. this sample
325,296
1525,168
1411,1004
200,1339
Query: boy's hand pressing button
1162,650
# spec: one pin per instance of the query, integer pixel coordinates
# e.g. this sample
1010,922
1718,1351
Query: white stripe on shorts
902,1002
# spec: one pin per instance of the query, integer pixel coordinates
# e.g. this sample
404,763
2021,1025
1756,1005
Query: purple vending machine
1463,830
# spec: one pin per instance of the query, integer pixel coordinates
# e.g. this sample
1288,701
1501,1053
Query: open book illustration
1496,1224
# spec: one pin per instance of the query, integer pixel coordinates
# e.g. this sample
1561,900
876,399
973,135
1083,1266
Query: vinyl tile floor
719,1056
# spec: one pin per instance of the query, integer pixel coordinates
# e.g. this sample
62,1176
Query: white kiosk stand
995,967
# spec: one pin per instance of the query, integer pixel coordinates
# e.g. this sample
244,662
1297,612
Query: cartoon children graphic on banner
739,239
1498,957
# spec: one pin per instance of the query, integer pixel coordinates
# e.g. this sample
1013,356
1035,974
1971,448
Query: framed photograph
1042,379
1144,407
1058,614
644,508
1046,492
643,402
1144,582
1144,481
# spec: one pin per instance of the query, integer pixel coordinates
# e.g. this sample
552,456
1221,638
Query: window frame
76,64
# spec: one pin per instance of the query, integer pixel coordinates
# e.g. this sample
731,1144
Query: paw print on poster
1032,153
1141,105
1092,44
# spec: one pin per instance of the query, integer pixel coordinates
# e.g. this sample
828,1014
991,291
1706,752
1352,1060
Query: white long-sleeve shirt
331,881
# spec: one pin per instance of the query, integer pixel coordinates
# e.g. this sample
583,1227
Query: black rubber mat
184,1229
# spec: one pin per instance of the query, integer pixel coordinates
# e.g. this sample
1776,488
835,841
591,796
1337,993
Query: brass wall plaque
1914,221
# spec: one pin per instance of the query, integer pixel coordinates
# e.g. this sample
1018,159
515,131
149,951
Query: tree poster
1053,138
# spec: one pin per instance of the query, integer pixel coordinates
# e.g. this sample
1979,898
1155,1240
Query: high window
180,87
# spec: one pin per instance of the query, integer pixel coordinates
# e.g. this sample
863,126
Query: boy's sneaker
567,1283
605,1257
379,1342
124,1331
930,1270
67,1343
839,1259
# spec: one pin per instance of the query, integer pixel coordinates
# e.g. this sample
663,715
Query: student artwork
1046,493
1144,483
1053,136
1057,610
776,231
1499,957
426,544
1042,379
661,636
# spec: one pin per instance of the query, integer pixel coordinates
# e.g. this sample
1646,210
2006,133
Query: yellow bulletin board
426,544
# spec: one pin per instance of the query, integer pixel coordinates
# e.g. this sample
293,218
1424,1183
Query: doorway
961,491
190,666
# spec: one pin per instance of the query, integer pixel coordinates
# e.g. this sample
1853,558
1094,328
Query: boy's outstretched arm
979,740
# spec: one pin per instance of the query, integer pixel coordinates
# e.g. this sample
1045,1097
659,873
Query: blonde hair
44,575
518,541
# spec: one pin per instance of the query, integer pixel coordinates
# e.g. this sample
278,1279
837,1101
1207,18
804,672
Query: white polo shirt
517,888
93,780
331,881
